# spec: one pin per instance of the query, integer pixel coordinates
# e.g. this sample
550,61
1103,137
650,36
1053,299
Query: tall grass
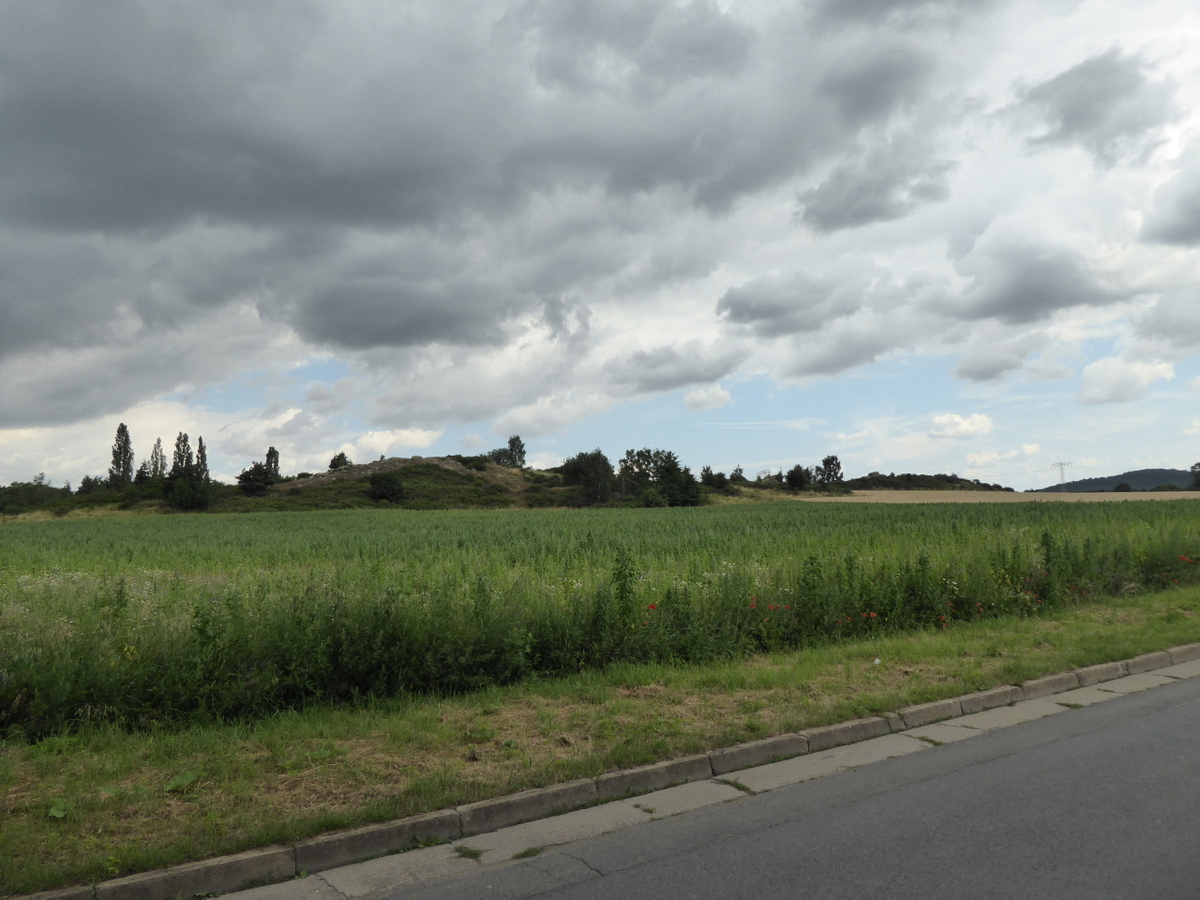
183,618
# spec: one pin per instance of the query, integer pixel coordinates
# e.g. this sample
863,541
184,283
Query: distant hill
1138,480
909,481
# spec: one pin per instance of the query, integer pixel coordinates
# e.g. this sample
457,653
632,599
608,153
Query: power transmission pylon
1062,471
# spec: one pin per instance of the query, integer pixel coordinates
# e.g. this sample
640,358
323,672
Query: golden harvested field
994,497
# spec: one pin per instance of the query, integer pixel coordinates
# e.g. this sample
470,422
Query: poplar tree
120,473
158,461
201,470
182,461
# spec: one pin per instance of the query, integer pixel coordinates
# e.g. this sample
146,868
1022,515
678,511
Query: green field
175,687
153,621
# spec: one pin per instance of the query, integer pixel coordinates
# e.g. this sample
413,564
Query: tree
798,478
513,455
387,486
1196,477
182,461
158,461
645,470
255,479
201,470
340,461
709,478
187,484
120,473
830,471
592,473
273,462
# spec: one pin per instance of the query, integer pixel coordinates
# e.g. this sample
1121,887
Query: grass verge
102,803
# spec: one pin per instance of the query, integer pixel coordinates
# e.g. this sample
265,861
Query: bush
387,486
256,480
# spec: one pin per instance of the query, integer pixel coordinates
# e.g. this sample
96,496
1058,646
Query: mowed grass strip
101,803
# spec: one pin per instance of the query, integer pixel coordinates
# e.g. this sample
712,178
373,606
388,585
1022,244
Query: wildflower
652,606
1185,559
872,615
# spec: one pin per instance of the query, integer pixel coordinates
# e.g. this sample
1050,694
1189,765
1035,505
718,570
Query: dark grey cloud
888,183
671,367
361,314
875,81
58,387
1105,104
659,45
893,13
55,295
1175,218
307,128
1020,282
994,359
1173,322
127,118
774,307
842,349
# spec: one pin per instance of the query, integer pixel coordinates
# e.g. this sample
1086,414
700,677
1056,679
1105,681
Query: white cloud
952,425
713,397
1116,380
1031,449
987,459
386,442
549,414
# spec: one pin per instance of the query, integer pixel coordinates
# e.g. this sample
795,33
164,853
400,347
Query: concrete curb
645,779
275,864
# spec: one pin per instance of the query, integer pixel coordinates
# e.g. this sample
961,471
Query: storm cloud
363,218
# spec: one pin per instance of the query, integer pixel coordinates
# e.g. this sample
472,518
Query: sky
923,235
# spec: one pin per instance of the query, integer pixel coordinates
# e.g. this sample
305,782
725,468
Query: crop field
163,620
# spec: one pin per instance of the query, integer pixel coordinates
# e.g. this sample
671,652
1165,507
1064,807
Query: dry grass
992,497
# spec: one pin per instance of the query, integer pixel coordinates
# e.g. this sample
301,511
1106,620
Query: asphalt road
1099,802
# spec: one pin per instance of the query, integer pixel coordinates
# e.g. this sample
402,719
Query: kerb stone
345,847
83,892
211,876
844,733
1090,675
925,713
1050,684
655,777
488,815
1186,653
1001,696
757,753
1148,662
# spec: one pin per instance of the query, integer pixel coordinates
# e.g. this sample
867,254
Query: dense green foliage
910,481
165,619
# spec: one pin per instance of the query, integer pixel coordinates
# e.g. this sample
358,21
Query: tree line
651,477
